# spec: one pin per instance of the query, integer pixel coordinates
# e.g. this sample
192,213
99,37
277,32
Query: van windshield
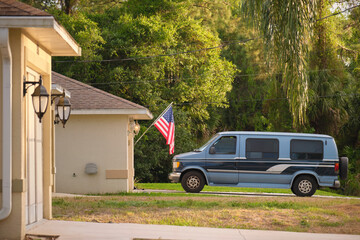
206,144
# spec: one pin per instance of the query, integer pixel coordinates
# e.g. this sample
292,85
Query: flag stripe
171,131
163,132
166,125
163,123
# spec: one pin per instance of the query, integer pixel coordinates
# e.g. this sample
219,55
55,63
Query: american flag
166,125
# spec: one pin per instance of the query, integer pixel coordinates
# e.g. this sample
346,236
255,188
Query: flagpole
154,122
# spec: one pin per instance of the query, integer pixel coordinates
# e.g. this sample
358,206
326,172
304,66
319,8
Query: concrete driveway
106,231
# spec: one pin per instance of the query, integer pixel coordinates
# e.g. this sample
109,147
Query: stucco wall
25,53
99,139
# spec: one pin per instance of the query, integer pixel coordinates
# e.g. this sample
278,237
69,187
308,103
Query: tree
326,111
194,78
156,54
286,27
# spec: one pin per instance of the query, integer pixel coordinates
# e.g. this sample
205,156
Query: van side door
221,158
261,153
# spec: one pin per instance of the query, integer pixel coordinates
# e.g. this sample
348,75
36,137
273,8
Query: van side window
225,145
262,148
306,150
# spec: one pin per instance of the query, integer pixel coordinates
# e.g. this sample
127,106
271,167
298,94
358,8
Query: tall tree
326,110
286,26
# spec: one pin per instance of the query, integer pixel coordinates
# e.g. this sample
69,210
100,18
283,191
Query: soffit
40,26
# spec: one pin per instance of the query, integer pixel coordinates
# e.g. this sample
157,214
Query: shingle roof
84,96
15,8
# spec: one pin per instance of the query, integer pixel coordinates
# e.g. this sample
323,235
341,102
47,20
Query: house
95,151
28,39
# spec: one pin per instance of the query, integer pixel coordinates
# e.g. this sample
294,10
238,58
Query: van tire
304,186
193,182
343,167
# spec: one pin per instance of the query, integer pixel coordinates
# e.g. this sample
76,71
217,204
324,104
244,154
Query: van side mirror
212,150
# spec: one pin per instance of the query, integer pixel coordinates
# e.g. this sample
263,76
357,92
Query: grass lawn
322,215
177,187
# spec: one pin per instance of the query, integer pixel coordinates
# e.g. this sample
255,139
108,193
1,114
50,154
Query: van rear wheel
193,182
304,186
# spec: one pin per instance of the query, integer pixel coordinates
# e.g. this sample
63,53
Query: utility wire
186,52
254,100
155,56
189,78
334,14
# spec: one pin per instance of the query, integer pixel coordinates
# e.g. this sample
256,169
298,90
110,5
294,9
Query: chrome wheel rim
193,182
305,186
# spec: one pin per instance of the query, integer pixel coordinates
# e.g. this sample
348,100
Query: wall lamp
134,127
62,108
40,97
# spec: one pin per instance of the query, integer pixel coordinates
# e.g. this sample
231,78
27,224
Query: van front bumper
174,177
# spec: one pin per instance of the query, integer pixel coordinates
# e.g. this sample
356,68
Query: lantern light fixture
134,127
62,108
40,97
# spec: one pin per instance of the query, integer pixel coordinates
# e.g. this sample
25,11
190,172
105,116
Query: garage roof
86,99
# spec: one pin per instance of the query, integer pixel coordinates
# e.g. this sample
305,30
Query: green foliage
326,111
296,75
286,27
152,160
351,186
88,34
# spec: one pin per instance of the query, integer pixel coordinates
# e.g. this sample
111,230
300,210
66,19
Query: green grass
177,187
189,203
327,215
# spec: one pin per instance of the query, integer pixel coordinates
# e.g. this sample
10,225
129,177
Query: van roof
276,134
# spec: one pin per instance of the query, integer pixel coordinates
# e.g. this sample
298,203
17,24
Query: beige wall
99,139
25,53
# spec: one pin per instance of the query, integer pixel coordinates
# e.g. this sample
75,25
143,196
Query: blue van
301,162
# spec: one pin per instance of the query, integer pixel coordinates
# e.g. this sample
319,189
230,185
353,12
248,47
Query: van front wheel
193,182
304,186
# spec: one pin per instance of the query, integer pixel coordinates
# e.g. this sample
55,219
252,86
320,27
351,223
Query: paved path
129,231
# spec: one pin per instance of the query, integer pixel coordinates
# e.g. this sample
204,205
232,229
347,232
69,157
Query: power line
334,14
253,100
189,78
155,56
186,52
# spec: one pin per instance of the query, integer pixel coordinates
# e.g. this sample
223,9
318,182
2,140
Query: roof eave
54,31
137,114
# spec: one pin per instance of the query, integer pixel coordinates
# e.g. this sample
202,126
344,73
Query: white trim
58,89
282,167
284,159
68,39
42,22
330,160
25,21
6,155
145,112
